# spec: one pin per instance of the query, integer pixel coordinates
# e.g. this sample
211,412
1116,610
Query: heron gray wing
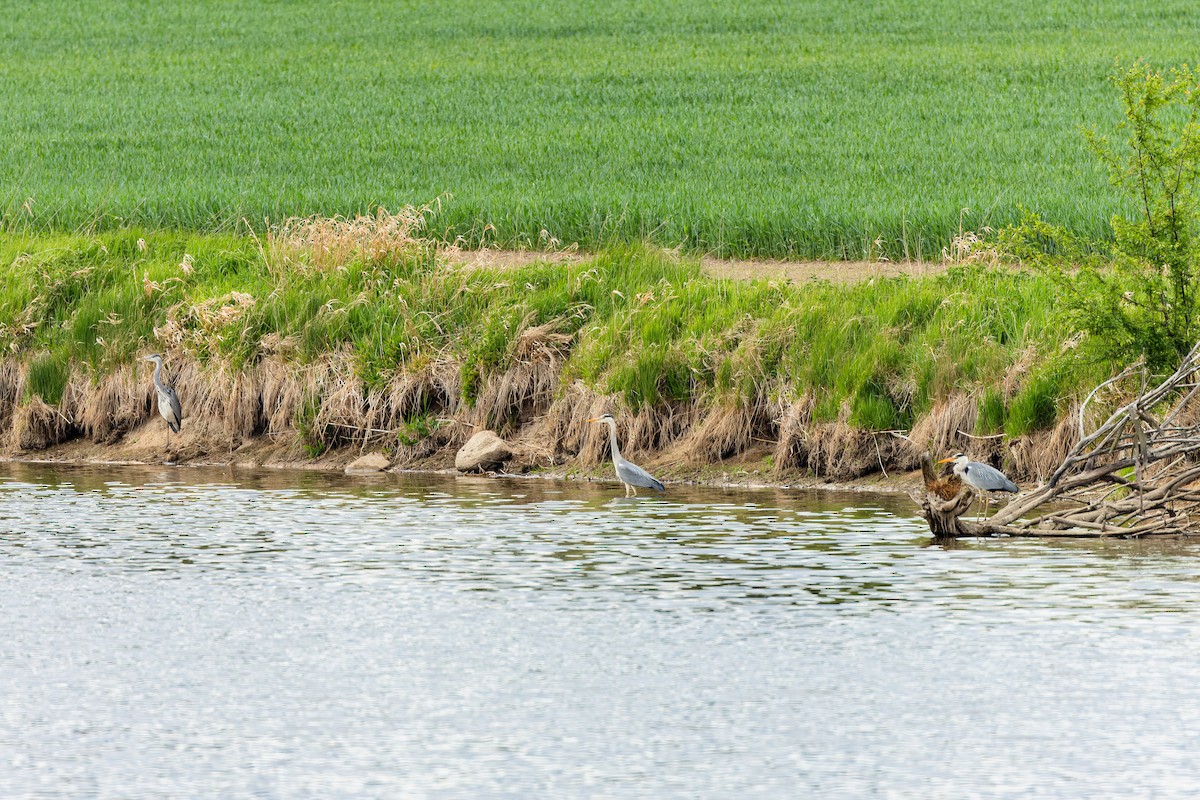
634,475
989,478
171,409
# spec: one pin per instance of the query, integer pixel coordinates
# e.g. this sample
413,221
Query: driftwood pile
1136,475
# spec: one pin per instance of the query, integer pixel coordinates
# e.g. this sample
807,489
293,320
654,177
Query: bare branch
1133,476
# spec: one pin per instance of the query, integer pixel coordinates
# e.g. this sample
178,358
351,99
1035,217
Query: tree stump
946,499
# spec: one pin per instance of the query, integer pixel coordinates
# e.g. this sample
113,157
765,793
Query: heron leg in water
634,489
627,490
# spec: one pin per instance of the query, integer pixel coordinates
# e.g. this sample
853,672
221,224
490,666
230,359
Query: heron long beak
594,420
945,461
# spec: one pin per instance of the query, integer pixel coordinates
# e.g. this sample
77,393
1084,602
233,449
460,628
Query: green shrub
1138,295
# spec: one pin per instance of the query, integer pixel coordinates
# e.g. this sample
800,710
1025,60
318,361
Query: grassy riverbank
801,129
356,325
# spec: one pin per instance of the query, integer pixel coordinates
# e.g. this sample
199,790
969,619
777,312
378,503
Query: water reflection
698,547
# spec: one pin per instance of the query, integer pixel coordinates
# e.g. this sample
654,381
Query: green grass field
753,128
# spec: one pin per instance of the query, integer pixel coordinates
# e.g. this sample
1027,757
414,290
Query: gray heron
981,477
168,401
630,474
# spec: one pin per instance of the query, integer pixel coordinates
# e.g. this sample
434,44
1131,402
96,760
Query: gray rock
371,462
484,450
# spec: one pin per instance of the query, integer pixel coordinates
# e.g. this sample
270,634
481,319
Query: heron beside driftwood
981,477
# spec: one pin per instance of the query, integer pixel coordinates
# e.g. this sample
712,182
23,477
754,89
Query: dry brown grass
570,433
10,391
225,409
280,395
941,430
331,242
36,426
1034,456
113,405
655,429
793,420
193,327
243,417
836,450
513,397
729,430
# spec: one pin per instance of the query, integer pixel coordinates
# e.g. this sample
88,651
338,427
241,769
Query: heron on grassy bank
630,474
168,401
981,477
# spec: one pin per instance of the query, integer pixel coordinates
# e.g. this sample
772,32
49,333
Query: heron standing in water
630,474
168,401
980,476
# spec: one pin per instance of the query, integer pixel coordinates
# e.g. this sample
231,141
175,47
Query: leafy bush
1140,294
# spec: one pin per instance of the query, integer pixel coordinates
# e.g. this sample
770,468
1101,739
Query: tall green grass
650,328
758,127
48,376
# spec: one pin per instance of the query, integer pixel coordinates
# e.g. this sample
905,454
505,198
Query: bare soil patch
833,271
733,269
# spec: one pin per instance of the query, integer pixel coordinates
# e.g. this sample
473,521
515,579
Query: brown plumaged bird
947,485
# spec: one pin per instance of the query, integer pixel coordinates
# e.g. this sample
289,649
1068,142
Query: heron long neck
612,442
157,372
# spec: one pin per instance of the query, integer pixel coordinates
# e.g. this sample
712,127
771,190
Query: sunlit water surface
181,633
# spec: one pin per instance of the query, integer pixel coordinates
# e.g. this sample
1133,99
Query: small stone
371,462
483,450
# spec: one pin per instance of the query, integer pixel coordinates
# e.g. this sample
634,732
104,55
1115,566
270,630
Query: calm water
179,633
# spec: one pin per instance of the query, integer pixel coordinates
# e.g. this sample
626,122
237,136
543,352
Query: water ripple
243,634
577,544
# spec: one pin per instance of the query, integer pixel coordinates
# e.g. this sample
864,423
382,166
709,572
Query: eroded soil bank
263,416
